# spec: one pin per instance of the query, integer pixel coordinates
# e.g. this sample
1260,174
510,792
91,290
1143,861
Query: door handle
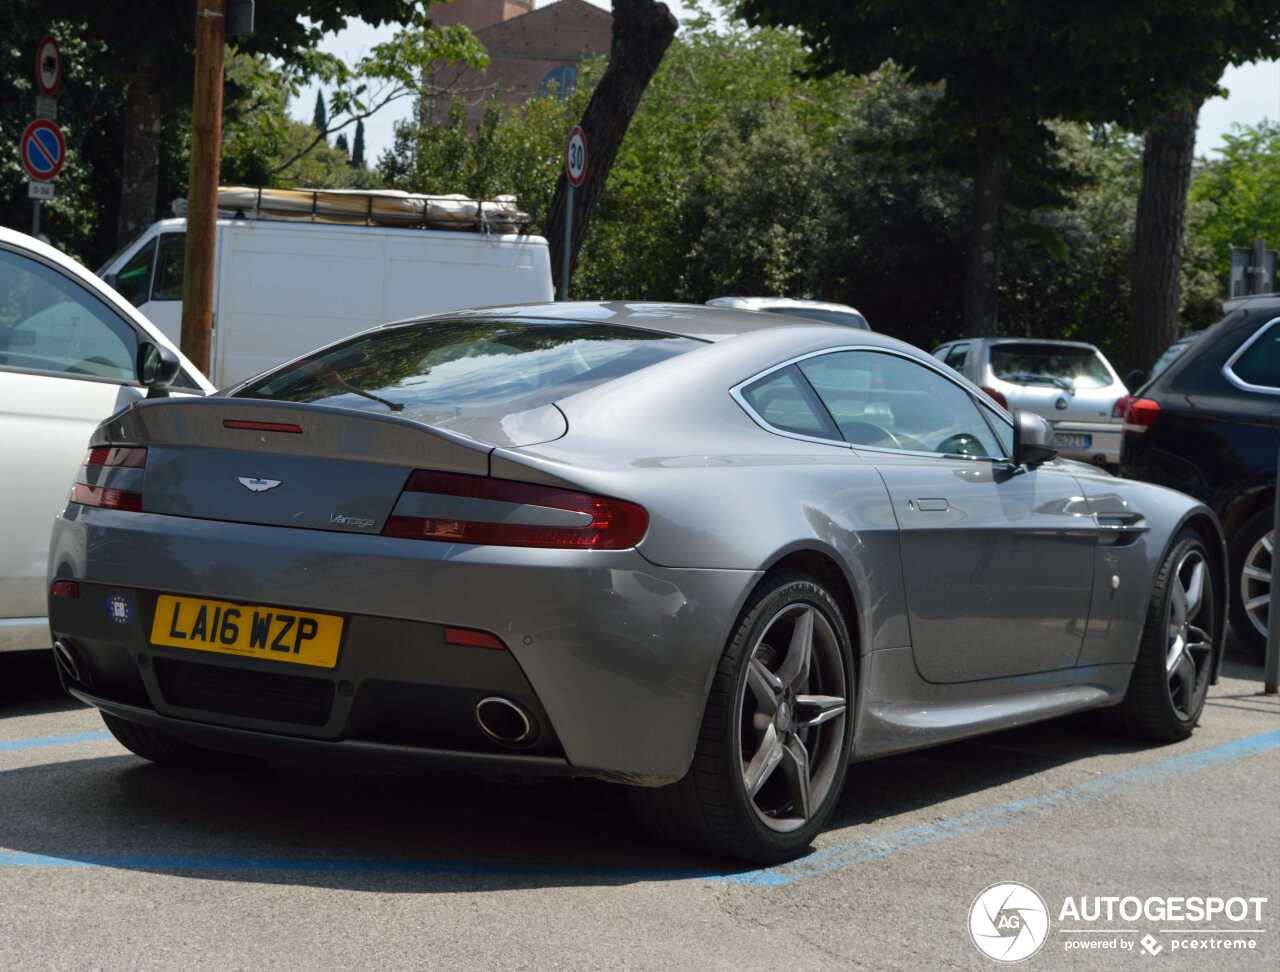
930,504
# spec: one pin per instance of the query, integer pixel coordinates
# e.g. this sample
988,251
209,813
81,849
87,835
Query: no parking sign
43,150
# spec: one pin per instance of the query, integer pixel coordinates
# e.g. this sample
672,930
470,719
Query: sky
1254,91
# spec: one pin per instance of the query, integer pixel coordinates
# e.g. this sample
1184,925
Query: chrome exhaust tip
64,656
503,721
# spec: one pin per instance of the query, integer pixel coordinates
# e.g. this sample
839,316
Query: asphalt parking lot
109,863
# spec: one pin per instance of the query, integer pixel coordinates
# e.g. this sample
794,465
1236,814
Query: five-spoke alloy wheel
1177,652
774,745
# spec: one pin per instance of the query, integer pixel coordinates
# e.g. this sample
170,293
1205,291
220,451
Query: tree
320,118
1242,192
1008,66
357,148
642,31
340,143
147,51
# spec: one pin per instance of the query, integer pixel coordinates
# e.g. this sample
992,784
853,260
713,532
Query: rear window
856,321
482,367
1049,364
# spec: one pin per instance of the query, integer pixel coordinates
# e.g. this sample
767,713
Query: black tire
1253,640
1151,708
166,749
709,809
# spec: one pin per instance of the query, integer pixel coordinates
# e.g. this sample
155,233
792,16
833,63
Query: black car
1209,425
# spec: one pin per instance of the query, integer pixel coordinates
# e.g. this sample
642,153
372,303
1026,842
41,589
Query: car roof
696,321
92,282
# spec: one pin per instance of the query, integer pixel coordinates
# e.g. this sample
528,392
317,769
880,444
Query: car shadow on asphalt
29,685
443,832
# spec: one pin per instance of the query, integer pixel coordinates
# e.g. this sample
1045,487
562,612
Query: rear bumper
612,655
1104,442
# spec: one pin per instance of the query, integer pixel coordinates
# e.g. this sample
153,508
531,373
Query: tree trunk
642,31
140,184
982,259
1155,286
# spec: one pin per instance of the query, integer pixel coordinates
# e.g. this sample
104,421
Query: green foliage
357,147
1240,193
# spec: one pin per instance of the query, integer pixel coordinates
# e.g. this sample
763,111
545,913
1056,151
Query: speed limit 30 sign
575,156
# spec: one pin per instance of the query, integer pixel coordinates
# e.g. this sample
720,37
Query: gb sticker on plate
118,609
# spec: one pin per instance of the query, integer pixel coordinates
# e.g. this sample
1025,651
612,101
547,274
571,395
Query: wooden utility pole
202,193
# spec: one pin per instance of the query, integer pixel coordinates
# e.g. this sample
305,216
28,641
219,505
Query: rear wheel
166,749
1252,558
774,745
1175,656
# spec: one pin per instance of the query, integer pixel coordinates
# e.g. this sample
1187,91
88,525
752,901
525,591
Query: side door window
169,267
887,401
957,357
133,282
50,323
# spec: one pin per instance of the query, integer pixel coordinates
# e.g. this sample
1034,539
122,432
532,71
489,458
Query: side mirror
157,367
1032,439
1135,379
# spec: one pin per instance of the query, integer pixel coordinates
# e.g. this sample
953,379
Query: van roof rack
371,207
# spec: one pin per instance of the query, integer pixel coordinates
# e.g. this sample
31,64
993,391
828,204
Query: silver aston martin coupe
710,554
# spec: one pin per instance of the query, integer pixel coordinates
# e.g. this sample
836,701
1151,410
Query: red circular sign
575,156
48,65
42,149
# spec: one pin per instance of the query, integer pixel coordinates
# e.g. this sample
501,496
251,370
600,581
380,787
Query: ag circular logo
1008,922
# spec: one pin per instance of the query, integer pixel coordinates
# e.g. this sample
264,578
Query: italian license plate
1072,440
247,630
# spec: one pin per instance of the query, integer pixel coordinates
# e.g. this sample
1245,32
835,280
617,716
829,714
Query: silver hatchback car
1070,383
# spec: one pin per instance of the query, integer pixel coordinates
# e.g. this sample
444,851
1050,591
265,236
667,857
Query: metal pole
35,218
1272,676
568,242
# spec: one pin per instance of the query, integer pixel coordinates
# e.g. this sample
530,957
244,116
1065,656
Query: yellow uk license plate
247,630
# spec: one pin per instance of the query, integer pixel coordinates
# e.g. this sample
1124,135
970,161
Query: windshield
1170,355
826,316
480,367
1062,366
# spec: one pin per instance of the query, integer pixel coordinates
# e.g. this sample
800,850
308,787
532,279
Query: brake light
996,397
107,497
262,426
1140,414
1122,403
613,524
133,457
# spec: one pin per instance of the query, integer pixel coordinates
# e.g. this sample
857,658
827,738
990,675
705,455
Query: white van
285,284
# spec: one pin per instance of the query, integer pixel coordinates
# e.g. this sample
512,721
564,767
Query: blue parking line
35,742
841,855
879,846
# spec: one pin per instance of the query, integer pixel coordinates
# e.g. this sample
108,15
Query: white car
1070,383
70,353
814,310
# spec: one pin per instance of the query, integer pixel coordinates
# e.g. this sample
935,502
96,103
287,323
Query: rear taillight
609,524
65,589
1122,403
129,457
1140,414
996,397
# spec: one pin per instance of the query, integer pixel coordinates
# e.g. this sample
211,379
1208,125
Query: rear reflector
996,397
134,457
262,426
471,638
69,590
614,525
1140,414
104,496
